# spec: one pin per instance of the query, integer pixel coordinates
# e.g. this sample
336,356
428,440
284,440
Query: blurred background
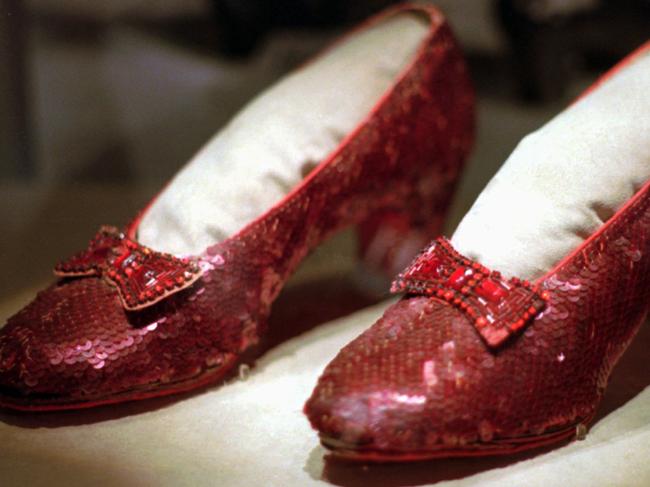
102,102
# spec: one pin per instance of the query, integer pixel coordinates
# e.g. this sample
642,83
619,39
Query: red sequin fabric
77,345
422,383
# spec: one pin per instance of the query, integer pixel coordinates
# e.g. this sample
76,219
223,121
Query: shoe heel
390,238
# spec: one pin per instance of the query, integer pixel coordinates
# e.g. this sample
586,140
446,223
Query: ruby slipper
173,301
472,361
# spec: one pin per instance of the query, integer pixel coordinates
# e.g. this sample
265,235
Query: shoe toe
420,382
62,345
76,346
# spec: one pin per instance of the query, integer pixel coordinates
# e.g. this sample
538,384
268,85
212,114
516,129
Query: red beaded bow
142,276
498,307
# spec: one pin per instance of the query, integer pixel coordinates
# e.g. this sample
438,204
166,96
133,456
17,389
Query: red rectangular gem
458,277
430,267
491,290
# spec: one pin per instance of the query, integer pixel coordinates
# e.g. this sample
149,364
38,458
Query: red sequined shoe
471,363
127,322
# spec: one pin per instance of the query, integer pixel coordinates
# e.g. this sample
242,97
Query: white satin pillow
278,138
564,180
